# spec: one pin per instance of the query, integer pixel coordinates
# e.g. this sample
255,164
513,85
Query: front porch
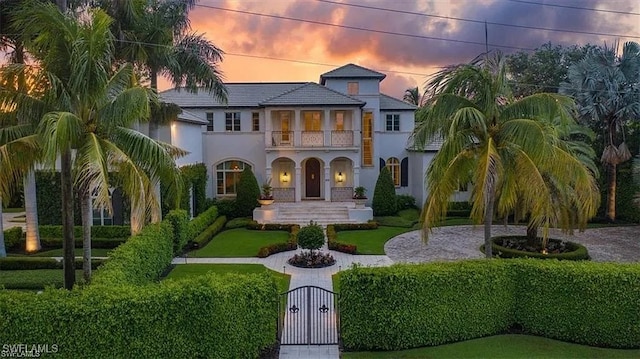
321,212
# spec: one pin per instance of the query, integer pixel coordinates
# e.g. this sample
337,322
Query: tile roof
351,71
239,94
186,116
391,103
312,94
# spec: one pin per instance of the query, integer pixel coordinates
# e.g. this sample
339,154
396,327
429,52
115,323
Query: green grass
239,242
502,346
34,278
12,210
371,241
190,270
95,252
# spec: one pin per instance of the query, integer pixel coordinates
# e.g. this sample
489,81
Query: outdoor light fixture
285,177
340,177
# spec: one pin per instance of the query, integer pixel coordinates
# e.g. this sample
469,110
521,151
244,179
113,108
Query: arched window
393,164
228,175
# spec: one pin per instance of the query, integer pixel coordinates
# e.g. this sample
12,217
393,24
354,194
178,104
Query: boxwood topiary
248,192
311,237
384,195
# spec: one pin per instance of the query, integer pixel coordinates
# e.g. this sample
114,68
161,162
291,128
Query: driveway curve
610,244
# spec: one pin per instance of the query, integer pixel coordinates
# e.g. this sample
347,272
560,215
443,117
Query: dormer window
353,88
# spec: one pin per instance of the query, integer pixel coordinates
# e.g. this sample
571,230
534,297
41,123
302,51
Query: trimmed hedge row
141,259
21,263
179,219
202,221
55,231
106,243
222,316
203,238
13,238
332,235
291,245
406,306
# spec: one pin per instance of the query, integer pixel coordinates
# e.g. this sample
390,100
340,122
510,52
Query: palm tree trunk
488,219
67,220
156,213
62,5
611,191
85,205
31,209
3,248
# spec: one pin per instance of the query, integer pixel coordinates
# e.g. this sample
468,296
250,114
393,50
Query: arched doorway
312,178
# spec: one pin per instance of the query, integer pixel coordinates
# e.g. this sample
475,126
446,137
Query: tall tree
413,96
513,152
95,108
606,87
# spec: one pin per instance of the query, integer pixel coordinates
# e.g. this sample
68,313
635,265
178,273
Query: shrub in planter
384,195
311,238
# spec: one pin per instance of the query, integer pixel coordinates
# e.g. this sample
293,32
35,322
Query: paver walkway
620,244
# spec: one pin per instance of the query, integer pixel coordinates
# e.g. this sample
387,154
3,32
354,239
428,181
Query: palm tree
513,152
95,108
605,87
412,96
10,41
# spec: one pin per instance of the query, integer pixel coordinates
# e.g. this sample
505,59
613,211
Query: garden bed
519,247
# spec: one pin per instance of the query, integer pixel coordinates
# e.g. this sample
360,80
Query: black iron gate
308,315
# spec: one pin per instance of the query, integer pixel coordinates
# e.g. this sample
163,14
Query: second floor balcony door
312,178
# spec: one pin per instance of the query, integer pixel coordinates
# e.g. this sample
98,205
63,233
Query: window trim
210,121
392,122
393,164
232,121
241,165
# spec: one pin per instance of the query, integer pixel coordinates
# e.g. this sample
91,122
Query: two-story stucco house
314,141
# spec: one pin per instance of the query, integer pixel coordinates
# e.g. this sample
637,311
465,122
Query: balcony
341,138
282,138
312,138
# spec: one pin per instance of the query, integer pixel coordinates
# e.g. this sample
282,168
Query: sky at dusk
405,42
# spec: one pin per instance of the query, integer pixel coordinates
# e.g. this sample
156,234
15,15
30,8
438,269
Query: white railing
341,194
341,138
284,194
281,138
312,138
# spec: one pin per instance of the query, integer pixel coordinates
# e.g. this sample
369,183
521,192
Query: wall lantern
285,177
340,177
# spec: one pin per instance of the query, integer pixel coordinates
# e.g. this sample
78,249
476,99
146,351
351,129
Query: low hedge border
179,219
105,243
407,306
202,221
238,223
332,235
580,252
25,263
13,238
203,238
230,316
54,231
291,245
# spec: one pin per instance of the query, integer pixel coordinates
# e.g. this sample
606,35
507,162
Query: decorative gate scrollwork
308,316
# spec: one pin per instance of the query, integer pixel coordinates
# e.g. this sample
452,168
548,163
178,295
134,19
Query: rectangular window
367,139
340,121
232,121
393,122
255,121
209,121
311,120
353,88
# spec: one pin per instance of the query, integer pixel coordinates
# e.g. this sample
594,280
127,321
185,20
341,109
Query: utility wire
575,7
362,29
476,21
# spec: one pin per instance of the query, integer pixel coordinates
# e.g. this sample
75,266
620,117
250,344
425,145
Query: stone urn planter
359,196
266,201
360,202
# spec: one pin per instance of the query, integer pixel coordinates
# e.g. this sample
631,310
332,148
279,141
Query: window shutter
404,172
383,164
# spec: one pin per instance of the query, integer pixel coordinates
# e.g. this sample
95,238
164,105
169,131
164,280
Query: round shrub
247,195
311,237
384,195
575,251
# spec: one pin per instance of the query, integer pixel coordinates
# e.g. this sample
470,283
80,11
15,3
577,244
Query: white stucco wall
187,136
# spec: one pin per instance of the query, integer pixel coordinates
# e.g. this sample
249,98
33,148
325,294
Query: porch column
267,173
297,129
356,177
327,128
298,188
327,182
268,128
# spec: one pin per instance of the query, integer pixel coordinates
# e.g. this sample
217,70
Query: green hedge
55,231
202,221
179,220
106,243
333,244
203,238
210,316
24,263
13,238
141,259
406,306
291,245
241,222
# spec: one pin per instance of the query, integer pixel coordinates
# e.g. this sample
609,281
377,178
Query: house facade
313,141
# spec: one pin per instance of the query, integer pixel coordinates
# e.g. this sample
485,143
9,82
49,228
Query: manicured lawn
33,278
95,252
190,270
371,241
502,346
239,242
13,210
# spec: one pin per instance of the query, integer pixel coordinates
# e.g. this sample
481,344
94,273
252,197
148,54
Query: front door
312,177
